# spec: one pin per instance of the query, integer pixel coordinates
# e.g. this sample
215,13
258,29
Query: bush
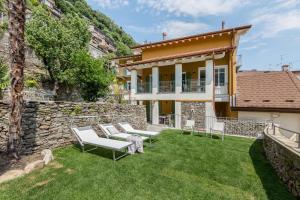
4,75
31,83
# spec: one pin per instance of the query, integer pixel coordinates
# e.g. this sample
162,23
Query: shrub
31,83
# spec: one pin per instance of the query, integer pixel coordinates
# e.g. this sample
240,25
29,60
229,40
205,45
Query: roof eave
246,28
266,109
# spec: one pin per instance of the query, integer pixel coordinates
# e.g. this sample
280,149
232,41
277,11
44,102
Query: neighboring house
193,75
51,5
297,73
100,44
267,96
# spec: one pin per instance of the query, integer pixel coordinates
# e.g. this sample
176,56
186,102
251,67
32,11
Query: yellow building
188,77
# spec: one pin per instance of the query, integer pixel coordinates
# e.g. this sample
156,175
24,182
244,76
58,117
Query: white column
140,102
178,114
133,81
210,116
178,78
155,79
209,78
155,112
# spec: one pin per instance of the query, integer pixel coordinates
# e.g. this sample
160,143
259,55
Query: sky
273,40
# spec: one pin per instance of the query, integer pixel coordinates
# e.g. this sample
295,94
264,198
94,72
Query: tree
16,16
90,75
62,44
55,40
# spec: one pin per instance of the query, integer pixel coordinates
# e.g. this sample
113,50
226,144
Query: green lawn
176,167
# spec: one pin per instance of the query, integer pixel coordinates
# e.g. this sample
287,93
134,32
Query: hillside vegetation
79,7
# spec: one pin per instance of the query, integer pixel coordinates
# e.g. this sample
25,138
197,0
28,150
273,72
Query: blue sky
274,38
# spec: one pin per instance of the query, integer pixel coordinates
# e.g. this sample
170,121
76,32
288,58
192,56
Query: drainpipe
213,59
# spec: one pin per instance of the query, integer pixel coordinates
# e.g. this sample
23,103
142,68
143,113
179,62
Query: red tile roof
279,90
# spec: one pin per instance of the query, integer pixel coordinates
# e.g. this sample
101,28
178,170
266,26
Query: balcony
221,90
193,86
166,86
144,88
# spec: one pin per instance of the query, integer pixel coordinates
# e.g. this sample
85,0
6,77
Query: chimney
285,68
164,34
223,25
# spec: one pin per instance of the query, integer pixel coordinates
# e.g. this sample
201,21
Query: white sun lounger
86,135
111,132
129,129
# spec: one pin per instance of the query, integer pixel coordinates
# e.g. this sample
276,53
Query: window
183,78
127,72
128,85
219,76
202,79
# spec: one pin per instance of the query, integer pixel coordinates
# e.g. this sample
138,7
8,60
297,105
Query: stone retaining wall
286,163
46,125
195,111
244,127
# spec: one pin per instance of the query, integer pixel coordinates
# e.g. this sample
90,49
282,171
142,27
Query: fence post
273,126
298,140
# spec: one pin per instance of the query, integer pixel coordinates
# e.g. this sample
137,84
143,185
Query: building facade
270,96
188,77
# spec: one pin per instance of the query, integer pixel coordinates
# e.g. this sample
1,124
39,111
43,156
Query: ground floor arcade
175,113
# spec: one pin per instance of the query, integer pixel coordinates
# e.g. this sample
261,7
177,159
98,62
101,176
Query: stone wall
286,163
195,111
248,128
47,124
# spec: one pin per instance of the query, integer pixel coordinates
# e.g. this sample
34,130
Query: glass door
202,79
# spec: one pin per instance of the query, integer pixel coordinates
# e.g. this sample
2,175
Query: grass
176,167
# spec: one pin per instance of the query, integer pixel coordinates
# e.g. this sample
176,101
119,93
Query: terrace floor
176,167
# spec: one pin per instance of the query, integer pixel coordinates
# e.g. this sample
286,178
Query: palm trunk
16,14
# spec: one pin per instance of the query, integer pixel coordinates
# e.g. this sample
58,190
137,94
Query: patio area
176,167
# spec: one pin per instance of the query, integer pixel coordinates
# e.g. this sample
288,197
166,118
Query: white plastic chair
219,128
189,126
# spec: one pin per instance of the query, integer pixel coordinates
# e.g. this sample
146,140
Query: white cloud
173,28
193,8
110,3
287,3
254,46
181,28
274,22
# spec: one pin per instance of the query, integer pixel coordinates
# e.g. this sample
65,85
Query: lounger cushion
112,130
146,133
124,136
128,128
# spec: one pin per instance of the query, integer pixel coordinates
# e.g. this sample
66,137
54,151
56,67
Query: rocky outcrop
46,125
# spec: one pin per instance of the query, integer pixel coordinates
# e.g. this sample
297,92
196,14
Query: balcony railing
144,88
193,86
166,86
221,89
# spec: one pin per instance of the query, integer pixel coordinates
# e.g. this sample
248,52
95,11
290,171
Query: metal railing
144,87
221,89
193,86
274,127
166,86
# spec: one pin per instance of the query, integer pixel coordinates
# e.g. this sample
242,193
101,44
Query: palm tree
16,15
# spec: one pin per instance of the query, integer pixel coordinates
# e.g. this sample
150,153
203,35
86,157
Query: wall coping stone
283,144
